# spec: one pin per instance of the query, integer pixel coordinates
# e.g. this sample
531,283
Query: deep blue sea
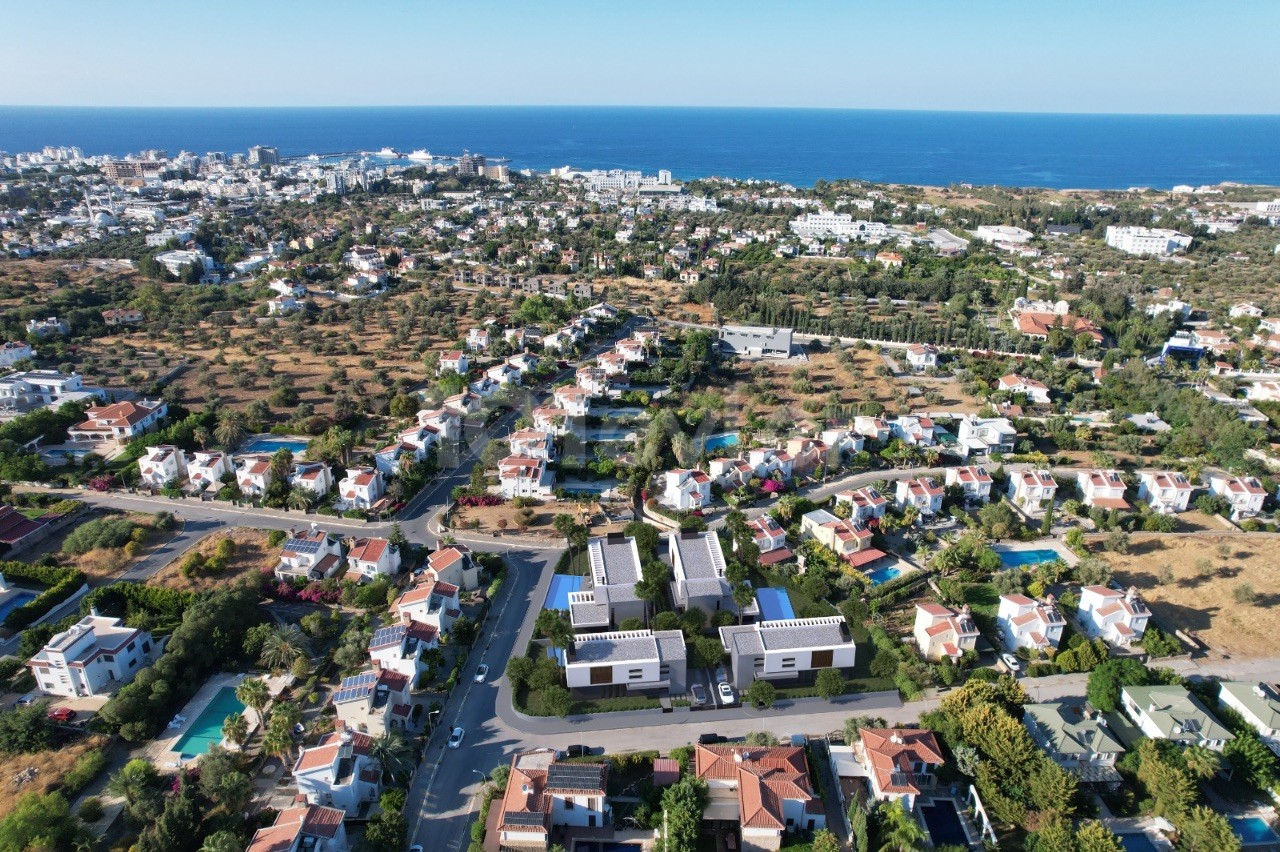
795,145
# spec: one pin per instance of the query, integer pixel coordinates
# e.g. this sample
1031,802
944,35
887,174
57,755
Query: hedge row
62,582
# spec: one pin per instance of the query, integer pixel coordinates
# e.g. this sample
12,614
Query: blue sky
1174,56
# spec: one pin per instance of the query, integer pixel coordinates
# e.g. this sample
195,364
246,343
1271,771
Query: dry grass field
251,555
50,766
1201,584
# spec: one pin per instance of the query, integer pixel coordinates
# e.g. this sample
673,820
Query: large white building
339,771
824,224
639,660
1134,240
790,649
95,656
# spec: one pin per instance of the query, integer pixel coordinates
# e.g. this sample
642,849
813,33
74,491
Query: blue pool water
205,731
884,575
1023,558
270,445
720,442
15,600
1253,830
775,604
558,593
943,821
1137,843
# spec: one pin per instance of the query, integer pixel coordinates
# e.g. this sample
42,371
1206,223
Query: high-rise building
471,164
261,155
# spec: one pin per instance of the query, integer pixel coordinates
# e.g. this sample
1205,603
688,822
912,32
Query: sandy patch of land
1200,584
50,766
251,556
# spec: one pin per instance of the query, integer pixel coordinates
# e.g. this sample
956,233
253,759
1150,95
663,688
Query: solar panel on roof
301,545
356,686
570,776
388,635
523,818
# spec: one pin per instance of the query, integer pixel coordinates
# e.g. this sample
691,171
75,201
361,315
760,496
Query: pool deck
1050,544
162,752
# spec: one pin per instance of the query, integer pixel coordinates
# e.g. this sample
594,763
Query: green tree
387,832
178,827
1203,829
1170,787
283,646
519,669
1106,681
1093,836
394,754
222,841
682,807
236,729
557,700
138,784
860,828
26,729
40,823
231,429
830,683
899,831
554,626
253,692
825,841
1201,762
761,693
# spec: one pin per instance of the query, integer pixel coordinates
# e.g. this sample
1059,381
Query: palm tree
278,742
235,728
231,430
393,753
253,692
138,784
299,498
201,436
900,830
281,463
222,841
282,647
1201,762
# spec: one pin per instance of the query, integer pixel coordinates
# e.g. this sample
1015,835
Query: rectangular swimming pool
16,599
1137,843
1026,558
558,591
943,821
205,731
270,445
1253,830
775,604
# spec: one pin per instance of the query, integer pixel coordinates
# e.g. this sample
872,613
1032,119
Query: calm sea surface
795,145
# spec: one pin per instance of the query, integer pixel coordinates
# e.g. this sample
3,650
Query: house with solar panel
400,647
545,796
309,556
697,563
338,772
638,661
370,558
790,650
374,702
433,602
609,593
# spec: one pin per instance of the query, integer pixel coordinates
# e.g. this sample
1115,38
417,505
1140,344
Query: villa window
568,803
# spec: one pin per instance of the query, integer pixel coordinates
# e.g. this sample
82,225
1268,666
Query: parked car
61,714
482,673
1011,662
455,737
26,701
727,695
710,739
722,674
699,695
577,751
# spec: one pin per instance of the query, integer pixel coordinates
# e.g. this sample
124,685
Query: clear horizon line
639,106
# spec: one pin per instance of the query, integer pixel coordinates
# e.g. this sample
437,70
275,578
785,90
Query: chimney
896,738
93,610
737,757
1131,593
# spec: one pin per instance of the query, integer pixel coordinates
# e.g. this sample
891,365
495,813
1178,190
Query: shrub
91,809
103,532
63,582
275,538
86,768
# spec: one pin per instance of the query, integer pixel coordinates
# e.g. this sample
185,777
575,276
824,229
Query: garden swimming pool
558,592
270,445
943,821
205,731
720,442
1137,843
775,604
1027,558
884,575
1254,831
13,601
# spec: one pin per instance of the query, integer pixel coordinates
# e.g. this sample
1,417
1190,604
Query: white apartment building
975,481
611,596
1118,617
984,436
921,357
40,387
1166,491
828,225
1036,391
843,537
1170,712
303,829
525,477
533,444
944,632
253,474
788,650
400,647
312,477
433,602
922,493
1002,234
339,772
95,656
686,489
1027,623
1032,490
362,487
1102,488
162,466
374,702
1244,493
1259,704
639,660
12,352
865,503
119,423
1135,240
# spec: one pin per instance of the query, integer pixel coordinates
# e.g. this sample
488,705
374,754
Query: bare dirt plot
251,556
103,564
1203,590
50,766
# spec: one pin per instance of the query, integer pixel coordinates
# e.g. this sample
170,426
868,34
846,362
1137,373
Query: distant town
386,500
